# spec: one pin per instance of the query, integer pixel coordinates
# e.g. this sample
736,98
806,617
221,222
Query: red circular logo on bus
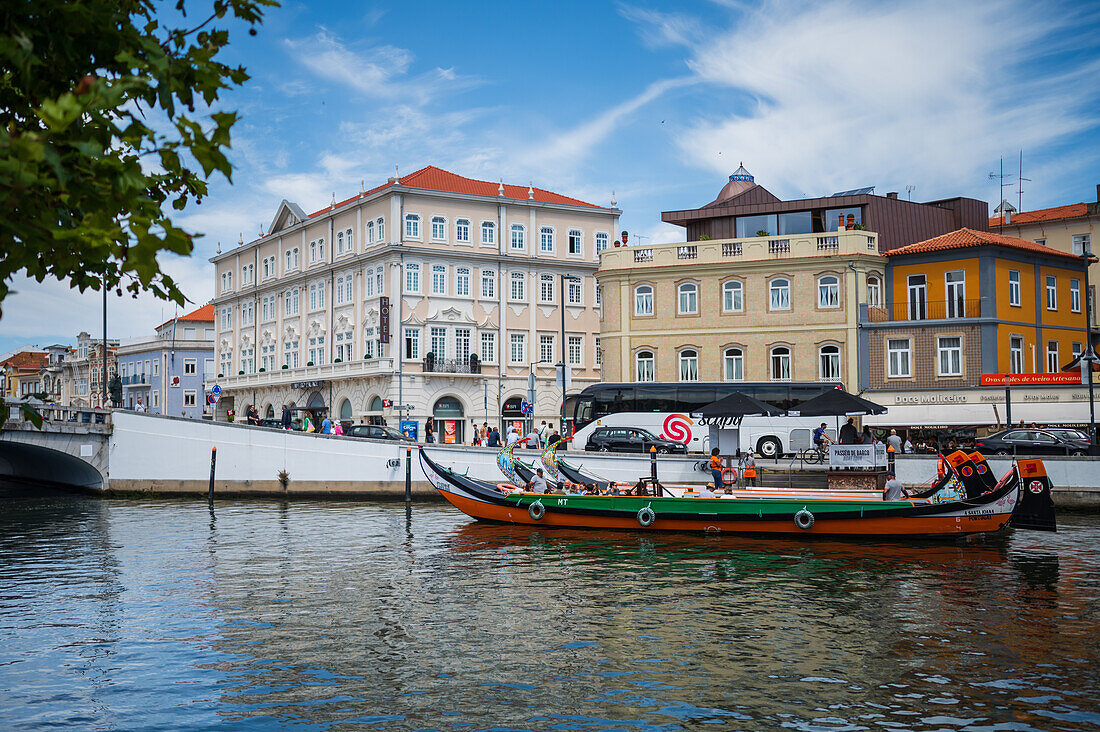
678,427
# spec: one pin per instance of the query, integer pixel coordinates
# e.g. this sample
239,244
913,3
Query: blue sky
656,102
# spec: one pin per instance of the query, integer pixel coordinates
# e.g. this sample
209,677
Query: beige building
762,308
432,291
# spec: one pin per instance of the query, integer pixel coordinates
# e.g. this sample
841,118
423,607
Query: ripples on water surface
143,615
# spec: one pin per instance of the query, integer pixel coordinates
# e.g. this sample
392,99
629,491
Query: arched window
780,291
828,292
874,292
375,404
412,226
689,365
781,363
462,231
462,281
546,240
643,300
643,366
519,236
269,413
733,364
370,232
733,297
688,297
488,232
345,410
439,228
828,359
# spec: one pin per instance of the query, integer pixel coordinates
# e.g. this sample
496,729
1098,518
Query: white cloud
846,93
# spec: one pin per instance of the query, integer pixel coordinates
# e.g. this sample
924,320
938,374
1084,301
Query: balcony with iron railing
838,243
917,310
433,365
342,370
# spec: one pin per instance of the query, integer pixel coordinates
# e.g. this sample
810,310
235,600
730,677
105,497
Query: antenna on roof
1001,192
1020,184
909,191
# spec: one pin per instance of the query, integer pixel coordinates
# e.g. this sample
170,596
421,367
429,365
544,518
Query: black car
376,432
1030,441
630,439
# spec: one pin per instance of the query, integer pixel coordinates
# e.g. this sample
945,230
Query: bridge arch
45,465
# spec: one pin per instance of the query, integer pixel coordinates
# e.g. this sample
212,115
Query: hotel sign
316,384
1064,378
383,320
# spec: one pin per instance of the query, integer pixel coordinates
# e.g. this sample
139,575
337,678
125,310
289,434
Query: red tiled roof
966,238
205,314
28,361
432,178
1057,213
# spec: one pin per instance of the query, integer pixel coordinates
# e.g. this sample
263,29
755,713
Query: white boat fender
804,519
646,516
536,510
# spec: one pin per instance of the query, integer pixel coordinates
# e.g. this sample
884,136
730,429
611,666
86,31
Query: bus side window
656,398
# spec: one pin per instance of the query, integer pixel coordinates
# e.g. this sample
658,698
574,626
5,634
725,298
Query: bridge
71,449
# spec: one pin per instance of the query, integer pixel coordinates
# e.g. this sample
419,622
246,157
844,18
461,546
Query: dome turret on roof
740,181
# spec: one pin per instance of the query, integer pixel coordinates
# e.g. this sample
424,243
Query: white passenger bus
665,410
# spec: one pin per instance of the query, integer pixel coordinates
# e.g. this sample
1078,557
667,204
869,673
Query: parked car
1068,434
1030,442
375,432
630,439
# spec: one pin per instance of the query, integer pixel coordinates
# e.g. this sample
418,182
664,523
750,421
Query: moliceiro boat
975,504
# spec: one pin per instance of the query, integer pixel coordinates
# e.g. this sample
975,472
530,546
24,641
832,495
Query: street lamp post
1090,353
561,306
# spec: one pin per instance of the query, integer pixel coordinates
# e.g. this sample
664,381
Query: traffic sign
526,407
214,397
216,390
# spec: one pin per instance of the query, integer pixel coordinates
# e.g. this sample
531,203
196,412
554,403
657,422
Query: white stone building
432,291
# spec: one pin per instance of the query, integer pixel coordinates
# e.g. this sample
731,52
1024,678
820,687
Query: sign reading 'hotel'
315,384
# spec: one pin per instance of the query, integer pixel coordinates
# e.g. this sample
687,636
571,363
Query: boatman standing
894,490
537,484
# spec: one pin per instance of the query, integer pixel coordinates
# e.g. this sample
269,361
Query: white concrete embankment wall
172,455
1076,479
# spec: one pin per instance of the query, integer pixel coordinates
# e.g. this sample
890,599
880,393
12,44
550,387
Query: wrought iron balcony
912,310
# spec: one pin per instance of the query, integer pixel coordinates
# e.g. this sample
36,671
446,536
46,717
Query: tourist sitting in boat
894,490
537,484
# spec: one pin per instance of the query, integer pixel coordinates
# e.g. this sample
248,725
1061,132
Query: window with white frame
1052,292
462,345
412,278
268,267
412,226
546,348
412,344
439,279
546,240
575,292
292,259
949,349
1075,296
518,288
519,236
576,242
462,281
598,292
1014,291
1081,243
488,284
687,295
643,366
190,396
190,366
227,318
379,281
781,363
643,300
828,362
370,232
316,295
248,313
156,366
733,364
339,243
316,354
546,288
267,308
290,302
1053,362
438,345
689,365
368,343
1016,355
345,351
599,353
733,297
899,358
574,350
828,292
227,281
874,292
380,222
1074,352
248,273
290,353
368,284
317,250
154,400
517,347
488,347
248,359
349,240
340,289
779,291
439,228
488,232
462,231
267,356
601,241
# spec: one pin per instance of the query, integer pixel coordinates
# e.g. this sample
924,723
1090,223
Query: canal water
137,614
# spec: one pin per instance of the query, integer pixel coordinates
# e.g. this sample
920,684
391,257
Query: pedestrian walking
326,426
544,433
429,433
286,417
494,438
893,442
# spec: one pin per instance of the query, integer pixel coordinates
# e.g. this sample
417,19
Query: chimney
893,195
1098,192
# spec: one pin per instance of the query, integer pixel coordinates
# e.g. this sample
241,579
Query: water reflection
378,615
